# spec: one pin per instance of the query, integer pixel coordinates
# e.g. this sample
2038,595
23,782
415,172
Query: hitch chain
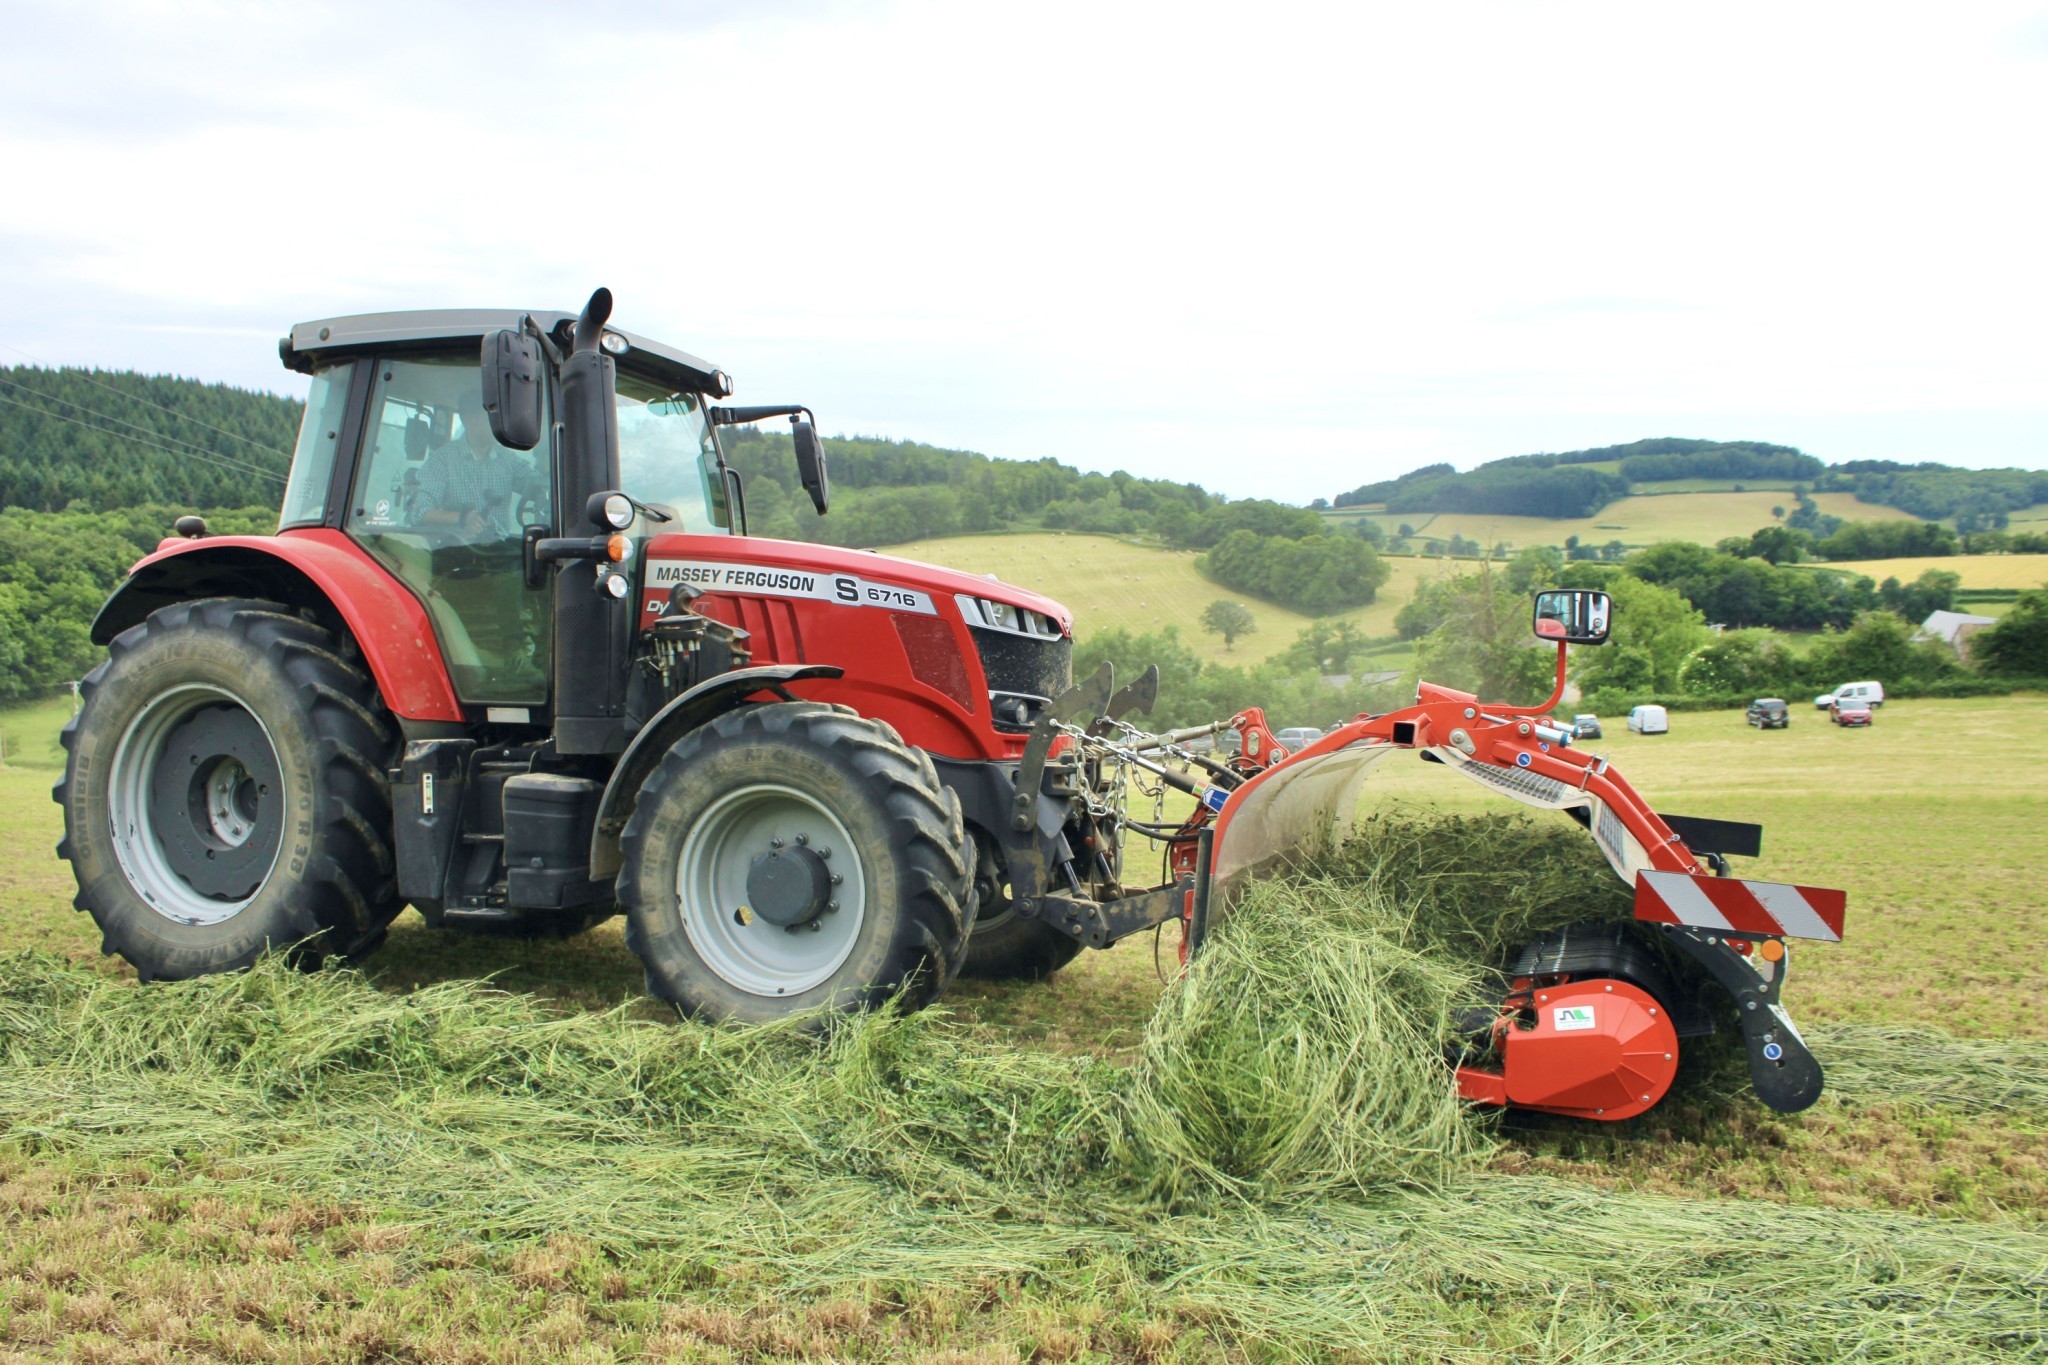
1122,757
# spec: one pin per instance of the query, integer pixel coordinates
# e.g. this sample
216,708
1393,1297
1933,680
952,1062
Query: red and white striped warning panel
1736,906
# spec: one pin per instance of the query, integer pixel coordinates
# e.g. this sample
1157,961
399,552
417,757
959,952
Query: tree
1228,619
1934,590
1655,631
1778,545
1881,646
1740,662
1481,641
2018,644
1534,568
1314,574
1324,648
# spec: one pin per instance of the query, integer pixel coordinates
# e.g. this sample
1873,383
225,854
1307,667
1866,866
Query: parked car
1850,713
1295,738
1871,693
1649,720
1585,726
1769,713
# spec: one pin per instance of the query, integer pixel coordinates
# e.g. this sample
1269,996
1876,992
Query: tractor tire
794,857
226,793
1005,946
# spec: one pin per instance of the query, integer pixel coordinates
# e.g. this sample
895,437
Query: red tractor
512,658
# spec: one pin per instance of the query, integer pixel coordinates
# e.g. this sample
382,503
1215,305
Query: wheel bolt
815,926
824,852
836,879
775,843
831,907
803,838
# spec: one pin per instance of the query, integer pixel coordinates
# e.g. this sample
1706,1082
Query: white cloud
1280,251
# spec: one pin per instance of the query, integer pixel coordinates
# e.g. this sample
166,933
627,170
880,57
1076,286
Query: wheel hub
771,889
215,802
789,886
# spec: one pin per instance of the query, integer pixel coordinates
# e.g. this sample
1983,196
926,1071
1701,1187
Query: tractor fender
317,570
708,699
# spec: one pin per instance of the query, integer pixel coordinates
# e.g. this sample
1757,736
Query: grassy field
2030,518
1640,519
1977,571
255,1203
1110,583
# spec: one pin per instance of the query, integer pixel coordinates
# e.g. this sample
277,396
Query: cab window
444,507
667,459
305,496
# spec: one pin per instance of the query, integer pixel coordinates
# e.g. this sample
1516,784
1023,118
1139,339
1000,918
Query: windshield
667,460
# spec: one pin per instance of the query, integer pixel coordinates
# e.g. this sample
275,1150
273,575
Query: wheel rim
760,841
196,801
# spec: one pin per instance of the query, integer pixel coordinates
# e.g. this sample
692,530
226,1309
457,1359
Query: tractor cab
400,455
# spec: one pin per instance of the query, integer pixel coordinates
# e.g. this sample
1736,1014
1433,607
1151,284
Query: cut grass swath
1285,1161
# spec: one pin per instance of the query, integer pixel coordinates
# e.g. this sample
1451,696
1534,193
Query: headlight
618,511
614,344
987,612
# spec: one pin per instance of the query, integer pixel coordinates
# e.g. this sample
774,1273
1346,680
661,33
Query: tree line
1975,499
1472,630
1554,485
1501,489
111,438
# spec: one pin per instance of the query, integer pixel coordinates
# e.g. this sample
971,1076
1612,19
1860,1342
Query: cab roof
312,343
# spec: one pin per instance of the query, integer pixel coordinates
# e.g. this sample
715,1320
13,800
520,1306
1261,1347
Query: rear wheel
226,793
792,857
1006,946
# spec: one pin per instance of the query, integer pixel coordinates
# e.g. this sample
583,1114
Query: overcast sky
1277,249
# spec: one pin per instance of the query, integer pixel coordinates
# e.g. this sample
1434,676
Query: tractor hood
864,566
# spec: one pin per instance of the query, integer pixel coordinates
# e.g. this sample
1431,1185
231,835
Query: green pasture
1110,583
398,1166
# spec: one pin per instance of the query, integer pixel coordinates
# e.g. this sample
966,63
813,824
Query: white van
1649,720
1869,693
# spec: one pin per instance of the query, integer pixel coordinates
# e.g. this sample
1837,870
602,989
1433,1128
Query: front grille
1025,666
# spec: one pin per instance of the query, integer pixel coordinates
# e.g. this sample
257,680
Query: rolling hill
1704,515
1113,583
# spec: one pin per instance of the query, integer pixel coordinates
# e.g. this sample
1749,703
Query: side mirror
511,372
1572,616
810,463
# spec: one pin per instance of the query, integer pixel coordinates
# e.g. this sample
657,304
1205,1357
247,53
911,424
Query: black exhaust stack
593,631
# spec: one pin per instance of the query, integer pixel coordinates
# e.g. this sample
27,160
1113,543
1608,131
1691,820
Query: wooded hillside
111,438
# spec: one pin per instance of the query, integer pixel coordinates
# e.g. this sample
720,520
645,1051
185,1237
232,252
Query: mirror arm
1556,693
731,417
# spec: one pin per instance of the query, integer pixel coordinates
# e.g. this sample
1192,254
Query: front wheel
794,857
225,793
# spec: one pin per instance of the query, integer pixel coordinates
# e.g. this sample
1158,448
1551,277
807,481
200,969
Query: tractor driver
469,482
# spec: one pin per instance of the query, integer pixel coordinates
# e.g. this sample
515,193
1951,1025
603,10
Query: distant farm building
1954,628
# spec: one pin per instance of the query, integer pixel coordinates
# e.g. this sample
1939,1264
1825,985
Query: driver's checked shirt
455,480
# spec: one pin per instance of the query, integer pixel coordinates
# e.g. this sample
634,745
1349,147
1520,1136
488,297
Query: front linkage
1590,1024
